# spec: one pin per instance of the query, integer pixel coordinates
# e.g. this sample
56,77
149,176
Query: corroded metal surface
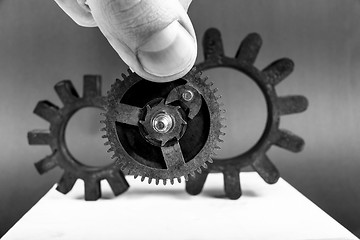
55,138
266,80
162,155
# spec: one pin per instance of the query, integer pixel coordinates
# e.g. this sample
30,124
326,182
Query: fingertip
169,53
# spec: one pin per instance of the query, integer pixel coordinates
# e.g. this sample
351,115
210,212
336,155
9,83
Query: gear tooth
219,97
210,160
289,141
66,183
117,80
129,71
222,133
104,136
179,179
39,137
47,111
124,76
212,44
142,178
204,165
266,169
278,71
232,183
136,176
192,174
117,182
46,164
186,178
113,156
210,84
172,181
249,48
164,182
199,170
66,92
92,190
291,104
217,147
106,143
157,181
110,150
91,86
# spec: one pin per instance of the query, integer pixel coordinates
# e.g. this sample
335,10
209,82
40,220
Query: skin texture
155,38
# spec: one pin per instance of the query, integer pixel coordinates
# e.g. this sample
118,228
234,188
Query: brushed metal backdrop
40,45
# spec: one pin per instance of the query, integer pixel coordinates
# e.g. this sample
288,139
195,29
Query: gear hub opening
83,138
246,114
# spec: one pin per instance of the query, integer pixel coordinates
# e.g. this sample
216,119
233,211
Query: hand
155,38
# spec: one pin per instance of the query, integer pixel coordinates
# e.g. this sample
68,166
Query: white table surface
168,212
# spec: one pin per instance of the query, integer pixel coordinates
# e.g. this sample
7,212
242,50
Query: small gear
55,138
266,80
162,131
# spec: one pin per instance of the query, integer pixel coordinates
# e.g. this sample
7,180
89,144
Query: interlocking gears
162,130
55,138
266,80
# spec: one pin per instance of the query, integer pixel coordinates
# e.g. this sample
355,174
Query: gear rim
266,80
130,166
55,138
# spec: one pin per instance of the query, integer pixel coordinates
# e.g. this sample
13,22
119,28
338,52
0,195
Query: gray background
40,45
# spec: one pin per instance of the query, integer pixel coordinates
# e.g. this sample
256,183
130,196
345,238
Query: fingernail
168,52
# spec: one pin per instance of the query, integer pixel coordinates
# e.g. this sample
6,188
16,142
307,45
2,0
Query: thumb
155,38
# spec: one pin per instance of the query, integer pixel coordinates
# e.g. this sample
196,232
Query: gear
162,130
266,80
55,138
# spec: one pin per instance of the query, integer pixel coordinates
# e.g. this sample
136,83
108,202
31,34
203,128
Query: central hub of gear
163,123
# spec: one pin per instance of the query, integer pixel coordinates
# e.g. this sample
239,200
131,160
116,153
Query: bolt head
188,95
162,123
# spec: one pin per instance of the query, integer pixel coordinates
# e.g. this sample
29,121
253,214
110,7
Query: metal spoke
173,156
128,114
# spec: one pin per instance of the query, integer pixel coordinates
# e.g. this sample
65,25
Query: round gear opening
83,138
246,110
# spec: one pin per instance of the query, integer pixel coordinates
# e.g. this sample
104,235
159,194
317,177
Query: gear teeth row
54,137
266,79
129,165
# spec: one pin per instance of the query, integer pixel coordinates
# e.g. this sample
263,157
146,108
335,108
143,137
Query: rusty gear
55,138
266,80
181,144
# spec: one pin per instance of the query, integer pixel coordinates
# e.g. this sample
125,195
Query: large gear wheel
55,138
162,131
266,80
